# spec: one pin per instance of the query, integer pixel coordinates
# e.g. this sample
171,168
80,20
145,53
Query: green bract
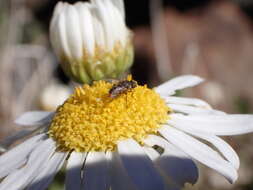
104,65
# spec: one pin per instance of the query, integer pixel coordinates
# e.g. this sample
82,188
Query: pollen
90,120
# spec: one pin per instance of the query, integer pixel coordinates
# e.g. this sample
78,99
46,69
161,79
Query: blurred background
210,38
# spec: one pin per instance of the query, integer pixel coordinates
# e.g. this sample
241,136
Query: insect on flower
154,118
122,87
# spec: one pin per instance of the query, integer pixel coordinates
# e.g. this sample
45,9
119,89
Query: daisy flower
142,139
91,39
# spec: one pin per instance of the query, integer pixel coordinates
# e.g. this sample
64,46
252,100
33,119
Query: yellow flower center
91,120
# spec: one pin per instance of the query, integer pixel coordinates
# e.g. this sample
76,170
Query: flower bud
91,40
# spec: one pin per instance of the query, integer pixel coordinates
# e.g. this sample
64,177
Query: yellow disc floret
90,120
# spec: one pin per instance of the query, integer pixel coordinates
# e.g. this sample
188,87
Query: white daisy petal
176,164
60,29
178,83
193,110
226,150
151,152
17,156
98,27
7,142
74,168
73,32
187,101
54,36
138,166
169,183
58,8
35,118
120,5
102,13
23,176
46,175
118,26
118,176
122,30
96,172
86,27
222,125
200,152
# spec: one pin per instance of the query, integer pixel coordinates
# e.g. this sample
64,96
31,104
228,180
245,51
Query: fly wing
113,81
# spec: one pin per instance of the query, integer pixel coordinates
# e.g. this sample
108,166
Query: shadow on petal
180,170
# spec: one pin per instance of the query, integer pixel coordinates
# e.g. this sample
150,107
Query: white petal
86,27
117,27
117,23
46,175
73,33
119,179
7,142
178,83
169,183
98,29
55,37
74,167
226,150
120,5
104,17
139,167
61,32
200,152
193,110
220,144
34,118
96,172
187,101
58,9
176,164
151,152
54,29
20,178
234,124
17,156
122,30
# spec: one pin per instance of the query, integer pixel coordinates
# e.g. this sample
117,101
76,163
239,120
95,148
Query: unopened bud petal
91,40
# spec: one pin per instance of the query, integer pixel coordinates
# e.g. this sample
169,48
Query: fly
122,87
